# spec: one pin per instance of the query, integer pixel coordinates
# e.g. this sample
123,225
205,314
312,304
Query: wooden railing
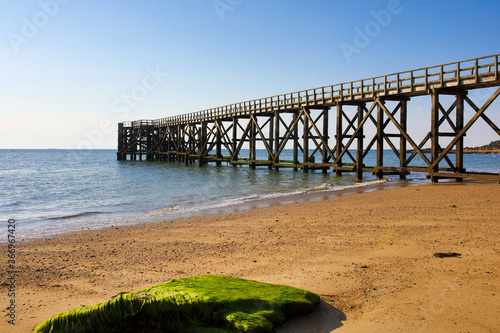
139,123
468,73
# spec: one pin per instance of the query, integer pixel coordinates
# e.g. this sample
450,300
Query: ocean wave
249,199
166,210
75,215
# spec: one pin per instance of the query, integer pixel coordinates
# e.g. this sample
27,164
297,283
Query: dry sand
370,256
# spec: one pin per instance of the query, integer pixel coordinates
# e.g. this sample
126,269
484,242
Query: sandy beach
370,256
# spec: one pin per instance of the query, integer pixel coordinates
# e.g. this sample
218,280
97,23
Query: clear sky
72,69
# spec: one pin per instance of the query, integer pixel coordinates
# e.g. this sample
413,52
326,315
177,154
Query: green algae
208,304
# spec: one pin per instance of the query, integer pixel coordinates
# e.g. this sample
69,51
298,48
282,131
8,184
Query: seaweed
207,303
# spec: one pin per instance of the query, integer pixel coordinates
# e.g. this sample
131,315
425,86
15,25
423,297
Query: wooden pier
301,121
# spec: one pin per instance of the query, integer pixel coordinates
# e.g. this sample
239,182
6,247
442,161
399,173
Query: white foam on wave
225,203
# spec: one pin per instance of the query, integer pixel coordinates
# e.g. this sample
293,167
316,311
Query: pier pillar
276,159
434,135
459,125
149,144
169,142
305,145
270,155
324,151
218,143
380,139
234,142
180,144
295,141
202,140
403,120
359,150
121,136
339,138
253,150
141,146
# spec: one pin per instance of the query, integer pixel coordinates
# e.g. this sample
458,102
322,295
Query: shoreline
283,200
368,255
242,206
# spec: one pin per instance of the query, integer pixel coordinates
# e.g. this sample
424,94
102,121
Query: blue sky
68,65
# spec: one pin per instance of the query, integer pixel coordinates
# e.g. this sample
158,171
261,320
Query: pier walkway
368,115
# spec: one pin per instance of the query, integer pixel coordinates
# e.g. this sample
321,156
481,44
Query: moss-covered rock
208,303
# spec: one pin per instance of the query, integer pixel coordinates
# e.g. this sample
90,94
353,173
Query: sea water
49,192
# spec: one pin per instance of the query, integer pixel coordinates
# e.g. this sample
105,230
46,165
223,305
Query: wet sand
369,255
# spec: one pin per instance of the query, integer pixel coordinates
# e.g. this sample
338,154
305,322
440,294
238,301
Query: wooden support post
380,139
175,155
295,141
359,150
434,134
149,134
276,139
158,146
339,138
235,140
202,143
187,144
191,143
169,139
161,145
325,137
137,143
134,146
305,145
121,136
403,121
270,156
459,148
166,140
180,143
132,143
141,137
253,150
218,145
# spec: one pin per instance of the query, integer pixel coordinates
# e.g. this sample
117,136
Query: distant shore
466,151
369,255
481,151
491,148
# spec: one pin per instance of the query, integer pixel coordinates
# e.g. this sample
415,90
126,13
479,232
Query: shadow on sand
325,319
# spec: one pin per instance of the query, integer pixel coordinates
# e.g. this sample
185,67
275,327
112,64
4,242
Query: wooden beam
380,136
466,128
359,150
